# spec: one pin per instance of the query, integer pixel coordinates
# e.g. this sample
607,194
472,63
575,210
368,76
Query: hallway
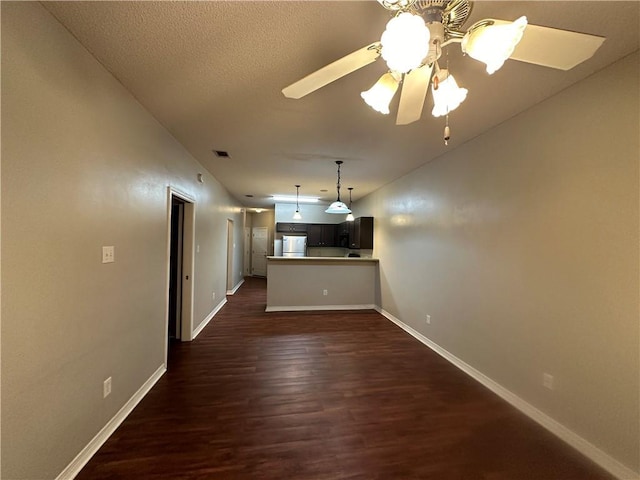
323,395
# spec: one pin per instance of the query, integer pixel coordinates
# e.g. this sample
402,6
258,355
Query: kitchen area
345,239
321,262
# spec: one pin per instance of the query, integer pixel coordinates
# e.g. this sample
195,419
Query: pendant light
350,217
297,215
338,206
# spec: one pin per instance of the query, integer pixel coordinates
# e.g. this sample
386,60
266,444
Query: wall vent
221,153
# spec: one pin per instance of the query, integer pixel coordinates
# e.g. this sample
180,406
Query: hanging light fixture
379,96
447,96
338,206
493,41
297,215
405,42
350,217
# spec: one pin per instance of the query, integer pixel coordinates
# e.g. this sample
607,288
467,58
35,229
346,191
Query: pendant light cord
339,162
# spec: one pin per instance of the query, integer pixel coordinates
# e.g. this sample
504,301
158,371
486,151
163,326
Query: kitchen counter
319,260
321,283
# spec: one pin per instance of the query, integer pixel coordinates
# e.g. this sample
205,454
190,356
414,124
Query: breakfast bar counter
321,283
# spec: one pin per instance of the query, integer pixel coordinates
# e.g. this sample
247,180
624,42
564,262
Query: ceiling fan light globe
493,44
380,95
338,207
448,96
405,42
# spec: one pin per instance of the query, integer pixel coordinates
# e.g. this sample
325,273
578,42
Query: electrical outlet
106,388
325,292
429,319
547,381
197,248
213,295
108,254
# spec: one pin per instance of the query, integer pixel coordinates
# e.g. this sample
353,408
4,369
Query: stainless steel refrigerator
294,246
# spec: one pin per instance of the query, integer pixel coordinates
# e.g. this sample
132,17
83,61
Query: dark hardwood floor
323,395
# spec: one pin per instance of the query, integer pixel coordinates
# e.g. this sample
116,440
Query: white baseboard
302,308
576,441
235,289
103,435
206,321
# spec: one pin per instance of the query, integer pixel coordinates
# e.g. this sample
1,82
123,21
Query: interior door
260,237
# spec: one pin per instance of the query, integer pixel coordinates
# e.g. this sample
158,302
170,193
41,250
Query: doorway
260,236
175,268
180,264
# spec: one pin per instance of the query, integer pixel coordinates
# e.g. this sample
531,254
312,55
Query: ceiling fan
414,40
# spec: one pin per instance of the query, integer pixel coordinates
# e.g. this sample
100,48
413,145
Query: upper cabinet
291,227
356,235
361,233
321,235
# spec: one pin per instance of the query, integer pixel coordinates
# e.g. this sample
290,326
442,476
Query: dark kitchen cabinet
344,231
356,235
361,233
321,235
291,227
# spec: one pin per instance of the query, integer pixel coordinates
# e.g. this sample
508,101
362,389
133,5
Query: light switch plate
108,254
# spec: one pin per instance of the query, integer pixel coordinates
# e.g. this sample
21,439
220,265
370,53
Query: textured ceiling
212,74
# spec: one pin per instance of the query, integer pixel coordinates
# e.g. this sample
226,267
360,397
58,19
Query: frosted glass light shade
493,44
338,207
405,42
448,96
350,218
379,96
297,215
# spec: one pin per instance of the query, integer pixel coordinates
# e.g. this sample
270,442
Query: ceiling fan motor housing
451,13
436,29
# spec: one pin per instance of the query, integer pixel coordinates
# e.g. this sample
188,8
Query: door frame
188,262
230,251
246,257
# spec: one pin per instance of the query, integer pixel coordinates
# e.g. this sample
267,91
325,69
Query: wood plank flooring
323,395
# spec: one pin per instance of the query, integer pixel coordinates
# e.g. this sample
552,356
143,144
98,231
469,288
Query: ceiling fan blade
414,91
551,47
333,71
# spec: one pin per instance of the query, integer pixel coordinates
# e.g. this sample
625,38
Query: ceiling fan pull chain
447,131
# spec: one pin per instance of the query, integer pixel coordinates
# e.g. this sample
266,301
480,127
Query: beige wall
301,283
522,245
310,214
84,165
263,219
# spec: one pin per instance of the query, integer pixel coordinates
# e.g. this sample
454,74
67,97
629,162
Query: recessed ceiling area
213,72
